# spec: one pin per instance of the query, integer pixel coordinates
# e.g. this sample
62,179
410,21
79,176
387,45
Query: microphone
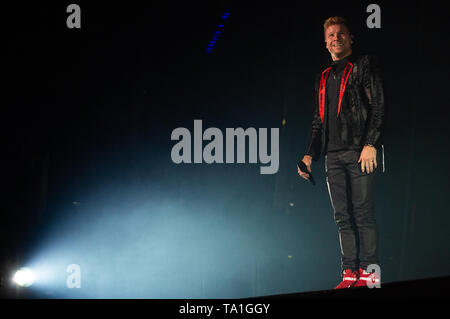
302,167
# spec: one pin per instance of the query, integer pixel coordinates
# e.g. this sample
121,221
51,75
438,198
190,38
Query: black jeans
352,197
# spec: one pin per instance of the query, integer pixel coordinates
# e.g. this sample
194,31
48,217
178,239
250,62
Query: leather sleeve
373,85
313,145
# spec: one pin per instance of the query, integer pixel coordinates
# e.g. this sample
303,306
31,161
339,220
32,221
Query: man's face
338,40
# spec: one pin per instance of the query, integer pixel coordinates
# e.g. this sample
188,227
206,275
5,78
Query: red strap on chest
323,81
344,84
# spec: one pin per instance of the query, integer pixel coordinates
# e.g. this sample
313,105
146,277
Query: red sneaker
349,279
365,277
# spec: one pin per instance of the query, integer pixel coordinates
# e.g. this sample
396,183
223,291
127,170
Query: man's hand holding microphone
307,160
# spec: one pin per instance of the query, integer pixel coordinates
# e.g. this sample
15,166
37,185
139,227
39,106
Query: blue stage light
217,33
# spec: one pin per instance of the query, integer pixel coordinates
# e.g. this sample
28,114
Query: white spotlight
24,277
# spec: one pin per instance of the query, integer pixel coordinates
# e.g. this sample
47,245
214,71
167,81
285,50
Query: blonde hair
335,20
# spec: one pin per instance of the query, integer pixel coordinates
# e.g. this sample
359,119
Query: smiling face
338,41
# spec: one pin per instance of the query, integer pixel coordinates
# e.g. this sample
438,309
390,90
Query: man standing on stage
347,128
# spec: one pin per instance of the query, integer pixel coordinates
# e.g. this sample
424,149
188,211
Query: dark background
88,114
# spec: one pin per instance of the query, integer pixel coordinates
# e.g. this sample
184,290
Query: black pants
352,196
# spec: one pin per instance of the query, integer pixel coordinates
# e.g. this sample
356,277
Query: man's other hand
368,159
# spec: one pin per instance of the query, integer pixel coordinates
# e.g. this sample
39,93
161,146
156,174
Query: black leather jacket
362,110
